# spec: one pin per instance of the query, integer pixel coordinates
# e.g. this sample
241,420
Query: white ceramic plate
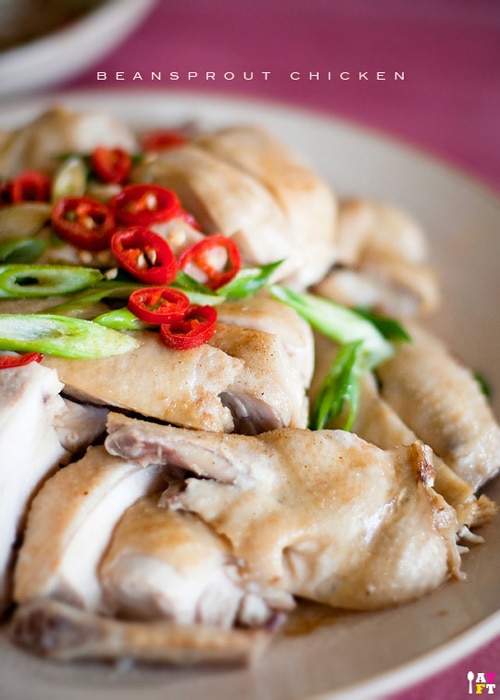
64,53
355,655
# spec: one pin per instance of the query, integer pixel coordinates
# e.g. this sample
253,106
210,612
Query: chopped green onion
390,328
198,293
61,336
78,304
121,320
29,281
483,384
364,338
340,385
21,250
187,283
338,323
249,281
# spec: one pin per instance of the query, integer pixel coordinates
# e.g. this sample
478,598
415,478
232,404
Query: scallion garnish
61,336
30,281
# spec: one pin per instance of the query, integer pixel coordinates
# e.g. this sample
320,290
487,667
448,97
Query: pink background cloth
448,104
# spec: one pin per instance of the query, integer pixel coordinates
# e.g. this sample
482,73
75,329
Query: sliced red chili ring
158,305
145,255
162,139
144,205
189,219
83,222
111,164
29,186
10,361
197,326
213,261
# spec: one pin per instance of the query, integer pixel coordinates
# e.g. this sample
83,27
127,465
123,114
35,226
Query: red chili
197,326
111,164
83,222
216,257
10,361
162,139
145,255
29,186
144,205
158,305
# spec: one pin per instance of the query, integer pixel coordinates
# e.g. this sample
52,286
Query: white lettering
345,75
192,74
363,76
120,75
399,76
101,75
210,75
266,74
156,76
174,75
137,76
313,76
381,75
295,75
229,75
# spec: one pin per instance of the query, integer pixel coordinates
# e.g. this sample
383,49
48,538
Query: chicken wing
56,630
441,401
323,515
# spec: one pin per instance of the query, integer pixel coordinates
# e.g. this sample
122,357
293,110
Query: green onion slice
121,320
340,386
29,281
249,281
338,323
21,250
61,336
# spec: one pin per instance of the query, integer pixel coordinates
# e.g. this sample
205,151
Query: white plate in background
357,655
65,52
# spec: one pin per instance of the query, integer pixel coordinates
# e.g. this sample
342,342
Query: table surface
448,103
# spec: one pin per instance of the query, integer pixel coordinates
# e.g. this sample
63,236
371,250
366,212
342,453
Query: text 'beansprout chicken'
218,397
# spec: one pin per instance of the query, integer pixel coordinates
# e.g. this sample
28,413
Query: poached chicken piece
242,379
153,380
79,425
263,313
39,144
322,515
244,184
70,524
442,402
30,451
59,631
166,564
381,261
377,422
